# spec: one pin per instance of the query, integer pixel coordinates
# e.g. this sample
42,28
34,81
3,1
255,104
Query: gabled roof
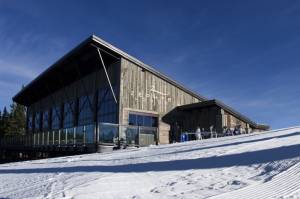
228,109
110,50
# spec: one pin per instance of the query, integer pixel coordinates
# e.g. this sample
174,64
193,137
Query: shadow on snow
242,159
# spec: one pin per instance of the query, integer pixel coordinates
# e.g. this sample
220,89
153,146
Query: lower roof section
228,109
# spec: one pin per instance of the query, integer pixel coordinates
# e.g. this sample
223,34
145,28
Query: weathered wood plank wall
141,90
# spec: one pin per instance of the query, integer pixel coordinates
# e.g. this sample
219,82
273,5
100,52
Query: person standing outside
198,134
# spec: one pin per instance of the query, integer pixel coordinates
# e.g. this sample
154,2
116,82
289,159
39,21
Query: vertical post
52,137
83,135
74,135
156,136
59,137
98,135
119,132
138,136
66,137
48,134
95,114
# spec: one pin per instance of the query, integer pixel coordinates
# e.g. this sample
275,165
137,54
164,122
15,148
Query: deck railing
103,133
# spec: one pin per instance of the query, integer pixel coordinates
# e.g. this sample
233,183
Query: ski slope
259,165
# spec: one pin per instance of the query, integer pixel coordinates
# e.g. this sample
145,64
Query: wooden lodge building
97,93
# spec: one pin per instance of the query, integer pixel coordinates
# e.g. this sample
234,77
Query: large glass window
85,110
142,120
37,122
55,119
69,108
46,120
30,122
108,132
107,107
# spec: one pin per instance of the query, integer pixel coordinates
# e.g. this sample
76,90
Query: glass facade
85,112
80,139
107,107
55,118
89,132
142,120
108,132
68,118
37,122
45,120
30,122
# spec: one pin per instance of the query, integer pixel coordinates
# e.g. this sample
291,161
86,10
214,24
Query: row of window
65,116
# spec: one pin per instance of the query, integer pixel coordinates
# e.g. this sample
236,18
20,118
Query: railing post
74,135
66,136
138,136
59,137
48,134
52,131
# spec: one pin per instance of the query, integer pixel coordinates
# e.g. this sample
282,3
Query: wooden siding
232,121
143,91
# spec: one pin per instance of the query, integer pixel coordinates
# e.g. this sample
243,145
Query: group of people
178,135
199,134
232,131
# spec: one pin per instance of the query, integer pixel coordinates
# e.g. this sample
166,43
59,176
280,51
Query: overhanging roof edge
147,67
223,106
116,50
52,66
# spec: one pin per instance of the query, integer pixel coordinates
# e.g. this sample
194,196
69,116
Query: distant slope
260,165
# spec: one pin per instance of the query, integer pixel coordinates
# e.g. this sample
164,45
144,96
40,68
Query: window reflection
85,110
55,119
68,114
142,120
37,121
30,122
107,107
46,120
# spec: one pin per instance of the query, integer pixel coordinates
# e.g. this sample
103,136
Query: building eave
101,43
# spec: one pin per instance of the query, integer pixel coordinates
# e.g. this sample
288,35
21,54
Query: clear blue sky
244,53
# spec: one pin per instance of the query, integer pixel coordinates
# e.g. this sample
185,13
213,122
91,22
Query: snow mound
259,165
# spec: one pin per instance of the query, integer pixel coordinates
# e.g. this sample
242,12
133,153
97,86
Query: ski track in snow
259,165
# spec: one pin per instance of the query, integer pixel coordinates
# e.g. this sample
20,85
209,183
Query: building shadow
242,159
211,146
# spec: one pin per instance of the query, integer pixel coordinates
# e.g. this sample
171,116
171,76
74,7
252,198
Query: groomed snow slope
260,165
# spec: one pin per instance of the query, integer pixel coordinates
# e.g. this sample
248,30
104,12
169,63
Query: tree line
13,121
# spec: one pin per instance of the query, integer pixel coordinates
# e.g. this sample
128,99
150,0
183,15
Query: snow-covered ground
259,165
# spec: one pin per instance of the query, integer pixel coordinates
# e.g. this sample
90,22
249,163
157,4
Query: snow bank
260,165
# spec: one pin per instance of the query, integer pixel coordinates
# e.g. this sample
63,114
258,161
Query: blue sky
244,53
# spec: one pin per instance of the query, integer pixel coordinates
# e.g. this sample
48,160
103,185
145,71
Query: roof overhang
79,62
84,53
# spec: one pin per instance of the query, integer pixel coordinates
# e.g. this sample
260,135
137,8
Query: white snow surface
258,165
